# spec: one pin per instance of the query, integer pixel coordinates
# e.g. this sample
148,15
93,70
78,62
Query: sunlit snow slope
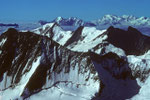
51,63
131,49
32,64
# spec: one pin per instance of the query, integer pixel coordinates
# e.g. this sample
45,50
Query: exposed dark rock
21,45
131,41
116,77
117,66
76,36
22,49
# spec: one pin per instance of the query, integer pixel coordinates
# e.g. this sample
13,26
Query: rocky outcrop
31,64
78,65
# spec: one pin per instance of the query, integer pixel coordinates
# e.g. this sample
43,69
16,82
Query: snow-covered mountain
141,23
33,66
72,23
124,53
123,20
85,64
110,20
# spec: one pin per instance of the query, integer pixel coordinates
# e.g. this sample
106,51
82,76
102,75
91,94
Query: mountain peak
129,41
110,28
128,16
12,30
134,31
58,19
109,16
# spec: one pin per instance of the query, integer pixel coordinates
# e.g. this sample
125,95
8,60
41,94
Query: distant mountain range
18,25
7,25
72,23
106,20
141,23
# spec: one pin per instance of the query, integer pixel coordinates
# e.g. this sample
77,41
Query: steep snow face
3,41
90,33
140,66
31,69
60,35
42,30
55,32
144,91
19,60
105,48
72,84
92,38
13,92
89,38
70,74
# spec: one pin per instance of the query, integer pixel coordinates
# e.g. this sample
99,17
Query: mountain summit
125,20
141,23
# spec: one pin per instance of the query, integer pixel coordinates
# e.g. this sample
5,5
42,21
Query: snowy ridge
99,41
88,36
60,35
141,23
54,31
140,66
88,39
43,29
84,64
44,66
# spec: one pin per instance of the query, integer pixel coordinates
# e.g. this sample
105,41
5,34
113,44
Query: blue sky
85,9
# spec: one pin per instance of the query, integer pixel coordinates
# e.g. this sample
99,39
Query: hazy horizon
33,10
